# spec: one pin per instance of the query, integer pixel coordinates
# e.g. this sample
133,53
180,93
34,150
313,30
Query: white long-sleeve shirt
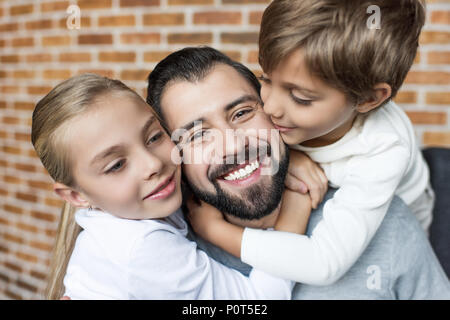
117,258
377,159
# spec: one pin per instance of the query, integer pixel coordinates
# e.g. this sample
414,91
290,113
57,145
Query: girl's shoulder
117,237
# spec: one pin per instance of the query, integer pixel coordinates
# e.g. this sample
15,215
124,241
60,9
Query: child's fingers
295,184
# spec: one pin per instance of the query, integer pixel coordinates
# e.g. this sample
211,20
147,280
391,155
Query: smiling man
237,189
200,90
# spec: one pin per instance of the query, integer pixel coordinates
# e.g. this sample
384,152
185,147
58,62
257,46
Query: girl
109,156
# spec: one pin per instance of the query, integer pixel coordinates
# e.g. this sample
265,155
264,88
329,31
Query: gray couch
438,160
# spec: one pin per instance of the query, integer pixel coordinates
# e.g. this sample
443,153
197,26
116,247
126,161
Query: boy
327,85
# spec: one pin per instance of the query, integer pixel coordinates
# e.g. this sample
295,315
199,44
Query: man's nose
235,145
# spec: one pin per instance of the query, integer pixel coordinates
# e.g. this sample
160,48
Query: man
200,90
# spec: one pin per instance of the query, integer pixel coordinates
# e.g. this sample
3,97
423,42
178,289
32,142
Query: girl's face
121,159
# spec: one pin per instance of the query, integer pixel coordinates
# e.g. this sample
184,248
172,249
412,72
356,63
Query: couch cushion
438,160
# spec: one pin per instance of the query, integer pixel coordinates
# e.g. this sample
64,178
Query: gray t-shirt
398,263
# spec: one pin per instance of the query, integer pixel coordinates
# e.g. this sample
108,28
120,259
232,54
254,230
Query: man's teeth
243,172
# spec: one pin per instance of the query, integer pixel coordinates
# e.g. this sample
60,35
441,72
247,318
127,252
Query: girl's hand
203,217
305,175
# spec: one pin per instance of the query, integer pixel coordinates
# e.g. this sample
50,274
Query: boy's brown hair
339,46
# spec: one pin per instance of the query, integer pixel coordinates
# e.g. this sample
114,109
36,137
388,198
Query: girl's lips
168,187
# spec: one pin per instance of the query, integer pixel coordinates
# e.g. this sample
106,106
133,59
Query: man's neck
263,223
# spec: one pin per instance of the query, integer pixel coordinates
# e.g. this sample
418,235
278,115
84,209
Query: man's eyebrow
229,106
238,101
117,148
191,124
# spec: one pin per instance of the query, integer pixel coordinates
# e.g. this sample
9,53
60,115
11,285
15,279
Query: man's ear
70,195
382,92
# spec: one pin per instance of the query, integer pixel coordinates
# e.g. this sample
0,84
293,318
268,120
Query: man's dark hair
190,64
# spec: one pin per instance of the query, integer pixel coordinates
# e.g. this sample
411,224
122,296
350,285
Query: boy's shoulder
389,124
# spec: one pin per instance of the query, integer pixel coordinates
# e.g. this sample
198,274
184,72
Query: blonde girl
110,157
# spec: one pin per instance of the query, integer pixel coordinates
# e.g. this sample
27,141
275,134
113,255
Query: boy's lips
281,128
163,190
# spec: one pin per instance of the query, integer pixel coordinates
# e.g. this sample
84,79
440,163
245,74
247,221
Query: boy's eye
264,79
116,167
301,101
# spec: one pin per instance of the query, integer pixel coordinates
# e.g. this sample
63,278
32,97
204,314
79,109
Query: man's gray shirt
398,263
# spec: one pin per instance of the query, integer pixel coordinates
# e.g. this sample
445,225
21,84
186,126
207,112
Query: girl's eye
116,167
155,138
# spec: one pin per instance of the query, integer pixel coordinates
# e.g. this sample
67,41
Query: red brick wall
124,39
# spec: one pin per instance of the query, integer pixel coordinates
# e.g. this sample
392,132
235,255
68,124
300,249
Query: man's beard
255,202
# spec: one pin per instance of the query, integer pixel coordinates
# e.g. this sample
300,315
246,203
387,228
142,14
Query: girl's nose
151,165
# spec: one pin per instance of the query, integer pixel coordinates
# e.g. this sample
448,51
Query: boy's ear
70,195
381,92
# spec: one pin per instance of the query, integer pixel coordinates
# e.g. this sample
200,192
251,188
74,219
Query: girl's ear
382,92
70,195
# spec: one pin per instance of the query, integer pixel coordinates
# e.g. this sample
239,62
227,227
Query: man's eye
196,136
242,113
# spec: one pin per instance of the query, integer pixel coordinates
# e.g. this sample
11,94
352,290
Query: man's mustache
248,154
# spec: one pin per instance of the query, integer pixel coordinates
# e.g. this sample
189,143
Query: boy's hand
203,217
305,175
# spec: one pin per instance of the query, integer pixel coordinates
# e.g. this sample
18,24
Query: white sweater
377,159
117,258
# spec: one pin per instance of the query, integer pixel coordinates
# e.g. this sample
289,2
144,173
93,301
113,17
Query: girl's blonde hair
52,114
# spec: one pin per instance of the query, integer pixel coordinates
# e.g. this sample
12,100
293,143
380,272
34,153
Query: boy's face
302,107
121,159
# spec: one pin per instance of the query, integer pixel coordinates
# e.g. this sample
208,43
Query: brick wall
125,39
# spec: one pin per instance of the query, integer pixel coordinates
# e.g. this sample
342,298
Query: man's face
233,157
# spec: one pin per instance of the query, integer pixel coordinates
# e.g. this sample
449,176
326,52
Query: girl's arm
166,265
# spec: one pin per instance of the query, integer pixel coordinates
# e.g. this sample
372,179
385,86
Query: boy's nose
272,107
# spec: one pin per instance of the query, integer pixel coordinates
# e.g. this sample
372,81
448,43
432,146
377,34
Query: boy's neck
330,137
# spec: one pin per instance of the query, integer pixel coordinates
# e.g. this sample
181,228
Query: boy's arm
209,223
306,176
294,212
350,219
